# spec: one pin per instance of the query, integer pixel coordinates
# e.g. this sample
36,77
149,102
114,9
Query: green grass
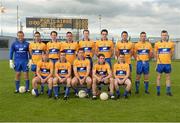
24,107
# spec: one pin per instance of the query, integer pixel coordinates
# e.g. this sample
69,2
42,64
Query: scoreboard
56,23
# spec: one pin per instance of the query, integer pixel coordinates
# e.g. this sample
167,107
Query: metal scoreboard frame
33,22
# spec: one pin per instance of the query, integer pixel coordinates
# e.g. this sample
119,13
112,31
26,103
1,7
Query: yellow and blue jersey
164,51
142,51
53,49
70,49
44,68
102,69
37,49
88,47
62,68
104,47
121,70
125,48
82,66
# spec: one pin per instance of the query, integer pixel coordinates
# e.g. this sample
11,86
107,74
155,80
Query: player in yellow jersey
143,53
121,71
88,46
70,47
53,47
44,75
105,46
102,74
125,47
62,75
81,69
36,49
164,51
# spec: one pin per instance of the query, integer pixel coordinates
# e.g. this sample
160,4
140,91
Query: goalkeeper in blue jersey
20,60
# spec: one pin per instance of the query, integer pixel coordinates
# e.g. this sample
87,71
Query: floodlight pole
17,16
100,22
2,10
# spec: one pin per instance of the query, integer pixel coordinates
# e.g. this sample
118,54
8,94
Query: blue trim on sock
146,85
55,91
118,92
27,85
125,93
67,91
17,83
158,88
168,89
137,84
36,92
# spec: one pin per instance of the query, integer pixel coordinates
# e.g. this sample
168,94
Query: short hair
142,33
164,31
37,33
104,30
86,30
80,49
124,32
68,33
53,32
100,55
20,32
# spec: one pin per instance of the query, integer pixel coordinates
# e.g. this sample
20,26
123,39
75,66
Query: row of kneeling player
85,75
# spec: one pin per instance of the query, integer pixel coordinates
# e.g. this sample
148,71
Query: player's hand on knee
11,64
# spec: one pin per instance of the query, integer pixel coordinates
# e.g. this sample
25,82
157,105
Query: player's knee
74,81
129,85
159,77
35,79
68,81
115,83
138,77
18,74
94,81
55,81
50,80
89,80
167,76
26,75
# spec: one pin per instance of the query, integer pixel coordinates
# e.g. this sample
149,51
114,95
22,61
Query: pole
100,22
17,16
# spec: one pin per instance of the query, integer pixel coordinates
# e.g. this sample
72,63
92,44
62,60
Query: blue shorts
43,77
81,77
108,60
33,67
21,66
54,60
163,68
142,67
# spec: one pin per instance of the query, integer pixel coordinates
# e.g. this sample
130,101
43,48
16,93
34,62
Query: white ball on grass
33,92
104,96
82,94
22,89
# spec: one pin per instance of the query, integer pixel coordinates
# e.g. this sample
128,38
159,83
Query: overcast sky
133,16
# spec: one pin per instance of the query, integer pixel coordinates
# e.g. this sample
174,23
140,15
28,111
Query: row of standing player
142,52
